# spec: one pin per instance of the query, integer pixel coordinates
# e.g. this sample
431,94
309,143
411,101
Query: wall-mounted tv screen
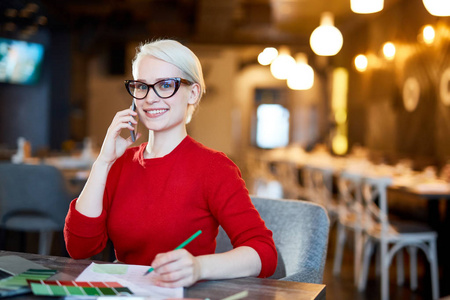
20,61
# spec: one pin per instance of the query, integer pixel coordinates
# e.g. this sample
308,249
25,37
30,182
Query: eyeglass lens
164,88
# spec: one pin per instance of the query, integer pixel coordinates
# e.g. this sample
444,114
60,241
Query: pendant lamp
389,50
267,56
428,34
326,40
302,75
361,62
440,8
366,6
282,64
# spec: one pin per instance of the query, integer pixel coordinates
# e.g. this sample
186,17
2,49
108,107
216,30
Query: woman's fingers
176,268
114,145
126,112
178,278
124,119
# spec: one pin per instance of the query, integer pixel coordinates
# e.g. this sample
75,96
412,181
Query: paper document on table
131,276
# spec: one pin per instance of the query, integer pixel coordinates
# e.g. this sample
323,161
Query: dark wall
60,87
39,112
24,109
377,115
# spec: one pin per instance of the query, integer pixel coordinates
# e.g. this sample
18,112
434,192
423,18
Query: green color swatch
110,269
18,284
74,288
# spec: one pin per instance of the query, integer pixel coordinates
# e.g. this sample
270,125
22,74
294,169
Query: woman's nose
152,97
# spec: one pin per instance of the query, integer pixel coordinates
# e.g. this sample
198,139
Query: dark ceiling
204,21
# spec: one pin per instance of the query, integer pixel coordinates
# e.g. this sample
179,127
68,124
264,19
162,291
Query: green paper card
18,284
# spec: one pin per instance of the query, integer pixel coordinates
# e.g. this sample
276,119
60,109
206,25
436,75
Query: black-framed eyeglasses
165,88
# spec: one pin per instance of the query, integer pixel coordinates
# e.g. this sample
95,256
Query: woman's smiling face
159,114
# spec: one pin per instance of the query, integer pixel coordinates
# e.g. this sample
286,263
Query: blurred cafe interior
298,93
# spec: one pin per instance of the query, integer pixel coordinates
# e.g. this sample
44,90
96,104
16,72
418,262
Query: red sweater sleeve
84,236
230,203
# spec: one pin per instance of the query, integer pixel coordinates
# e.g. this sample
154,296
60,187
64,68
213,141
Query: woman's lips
156,112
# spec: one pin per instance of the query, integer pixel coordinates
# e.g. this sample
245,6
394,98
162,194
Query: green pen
179,247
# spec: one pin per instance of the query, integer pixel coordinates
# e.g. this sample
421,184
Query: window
272,126
272,118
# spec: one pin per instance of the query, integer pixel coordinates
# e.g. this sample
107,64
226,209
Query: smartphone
133,132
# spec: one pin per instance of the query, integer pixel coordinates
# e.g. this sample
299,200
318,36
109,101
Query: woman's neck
163,144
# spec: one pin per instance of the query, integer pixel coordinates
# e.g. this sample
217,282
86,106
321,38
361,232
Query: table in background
439,221
218,289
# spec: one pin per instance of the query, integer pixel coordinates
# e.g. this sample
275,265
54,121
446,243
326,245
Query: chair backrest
350,197
300,231
33,190
308,183
318,183
374,197
323,182
286,172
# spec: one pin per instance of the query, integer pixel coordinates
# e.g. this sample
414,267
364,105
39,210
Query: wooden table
264,289
440,222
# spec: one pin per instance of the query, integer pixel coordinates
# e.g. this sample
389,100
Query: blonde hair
178,55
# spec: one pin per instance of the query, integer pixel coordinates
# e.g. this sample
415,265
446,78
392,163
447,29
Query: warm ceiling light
326,40
440,8
267,56
361,63
389,50
283,64
302,75
428,34
366,6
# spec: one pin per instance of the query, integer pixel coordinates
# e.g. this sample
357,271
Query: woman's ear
194,95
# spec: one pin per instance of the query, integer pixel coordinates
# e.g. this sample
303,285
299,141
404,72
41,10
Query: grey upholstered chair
300,231
33,198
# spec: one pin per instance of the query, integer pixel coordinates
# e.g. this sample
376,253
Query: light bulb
440,8
366,6
282,65
361,63
326,40
267,56
428,34
389,50
302,75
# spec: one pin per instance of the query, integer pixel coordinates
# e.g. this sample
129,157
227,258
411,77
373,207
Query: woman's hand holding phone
114,145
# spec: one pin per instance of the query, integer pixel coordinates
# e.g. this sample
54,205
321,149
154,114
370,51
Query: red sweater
151,206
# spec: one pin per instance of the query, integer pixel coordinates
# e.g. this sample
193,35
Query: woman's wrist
100,164
242,261
202,272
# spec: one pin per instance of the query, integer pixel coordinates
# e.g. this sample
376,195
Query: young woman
149,199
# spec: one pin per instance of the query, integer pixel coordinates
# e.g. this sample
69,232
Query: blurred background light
440,8
361,62
366,6
282,64
266,57
326,40
389,50
428,34
302,75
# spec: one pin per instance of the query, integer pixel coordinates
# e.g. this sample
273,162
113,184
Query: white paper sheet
131,276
